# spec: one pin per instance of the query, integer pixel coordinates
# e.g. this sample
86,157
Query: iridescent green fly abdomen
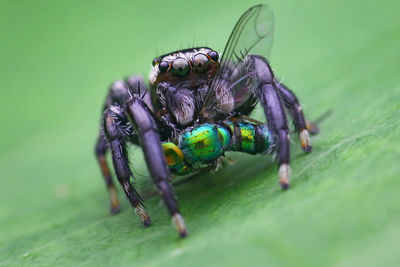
205,143
249,138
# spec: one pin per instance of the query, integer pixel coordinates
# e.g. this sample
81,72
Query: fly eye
180,67
163,67
214,56
201,63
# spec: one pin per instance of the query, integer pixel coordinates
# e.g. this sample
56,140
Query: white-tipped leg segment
305,140
179,224
284,176
140,210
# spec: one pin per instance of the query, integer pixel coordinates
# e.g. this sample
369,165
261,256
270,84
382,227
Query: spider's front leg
117,95
274,112
117,138
149,138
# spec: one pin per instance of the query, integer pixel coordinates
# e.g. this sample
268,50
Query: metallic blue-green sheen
225,137
246,141
268,140
203,143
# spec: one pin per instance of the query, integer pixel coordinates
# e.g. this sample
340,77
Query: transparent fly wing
252,34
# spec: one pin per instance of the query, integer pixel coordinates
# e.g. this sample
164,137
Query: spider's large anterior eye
214,56
163,67
155,61
180,67
201,63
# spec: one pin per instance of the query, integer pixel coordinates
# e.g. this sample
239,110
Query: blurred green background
57,59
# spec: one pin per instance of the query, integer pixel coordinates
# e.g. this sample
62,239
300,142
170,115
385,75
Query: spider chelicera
195,109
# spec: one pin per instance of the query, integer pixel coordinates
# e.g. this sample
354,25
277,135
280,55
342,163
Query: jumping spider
195,109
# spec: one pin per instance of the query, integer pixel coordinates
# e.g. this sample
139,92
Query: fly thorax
224,98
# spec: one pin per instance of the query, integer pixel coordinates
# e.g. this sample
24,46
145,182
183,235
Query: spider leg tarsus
115,210
305,140
284,176
140,210
179,224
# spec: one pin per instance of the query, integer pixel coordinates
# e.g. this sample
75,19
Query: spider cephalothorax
179,81
196,108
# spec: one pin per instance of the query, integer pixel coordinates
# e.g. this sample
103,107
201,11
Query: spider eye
163,67
214,56
180,67
155,61
201,63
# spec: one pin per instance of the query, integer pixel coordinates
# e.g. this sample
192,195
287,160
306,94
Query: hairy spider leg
274,112
101,150
149,139
117,94
292,104
117,143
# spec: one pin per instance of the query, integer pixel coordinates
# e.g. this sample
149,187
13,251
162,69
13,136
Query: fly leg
274,112
116,137
292,104
149,139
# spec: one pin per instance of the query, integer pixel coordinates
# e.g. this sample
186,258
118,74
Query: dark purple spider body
195,88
